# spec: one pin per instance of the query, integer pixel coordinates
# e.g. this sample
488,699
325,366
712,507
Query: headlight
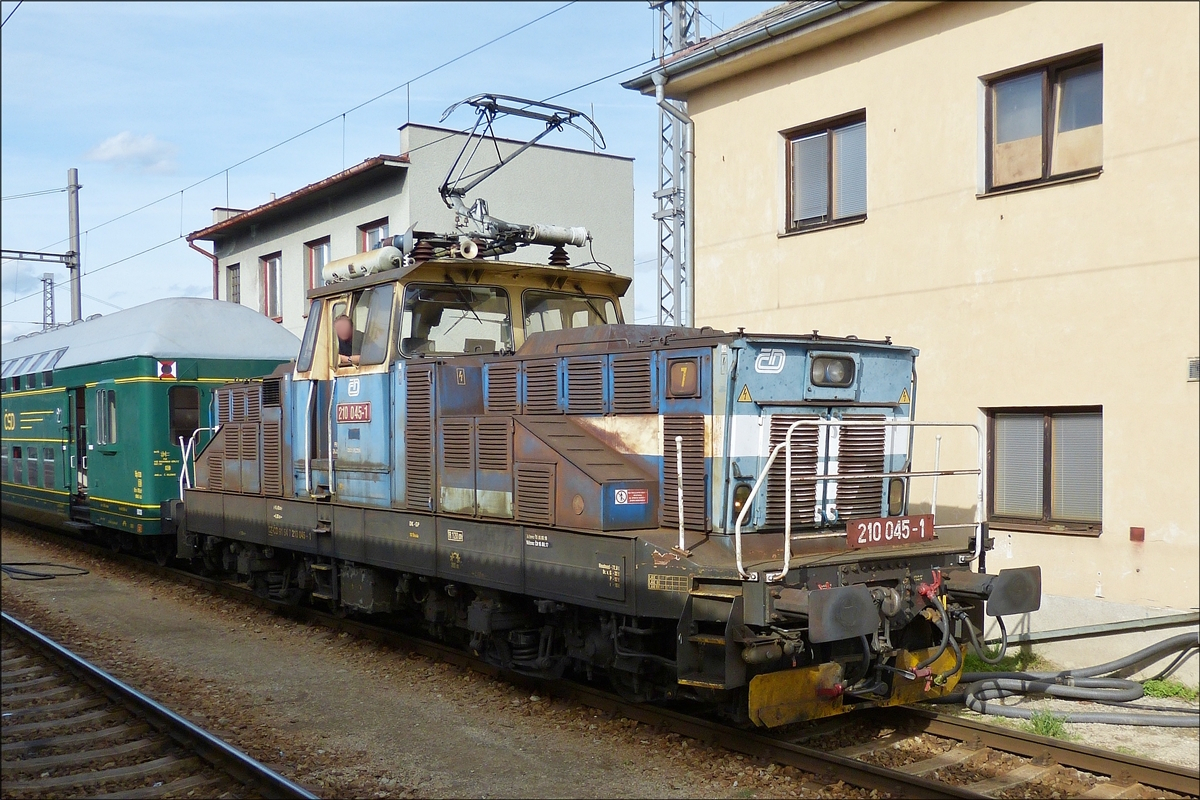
895,497
741,493
827,371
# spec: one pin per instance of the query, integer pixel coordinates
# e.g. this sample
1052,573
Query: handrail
679,487
188,452
786,446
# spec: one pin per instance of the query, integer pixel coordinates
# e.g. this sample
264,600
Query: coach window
183,411
106,416
441,319
4,463
32,467
48,467
555,311
1046,468
18,464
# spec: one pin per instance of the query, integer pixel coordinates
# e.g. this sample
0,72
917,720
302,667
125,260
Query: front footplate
808,693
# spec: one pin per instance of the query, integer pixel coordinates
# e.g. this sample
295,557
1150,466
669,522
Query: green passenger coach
98,415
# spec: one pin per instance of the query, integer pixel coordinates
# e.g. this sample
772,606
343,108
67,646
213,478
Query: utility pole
47,300
69,258
73,267
678,28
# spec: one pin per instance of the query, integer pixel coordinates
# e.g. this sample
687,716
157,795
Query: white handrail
786,445
307,443
188,452
679,486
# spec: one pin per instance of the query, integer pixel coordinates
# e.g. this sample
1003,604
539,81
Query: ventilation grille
804,464
502,388
223,403
456,443
535,493
632,391
695,483
249,442
860,451
272,393
493,441
233,441
216,472
272,460
585,386
541,387
253,403
237,404
418,439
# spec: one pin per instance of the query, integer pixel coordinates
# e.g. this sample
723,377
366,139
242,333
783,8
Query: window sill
1085,176
841,223
1059,528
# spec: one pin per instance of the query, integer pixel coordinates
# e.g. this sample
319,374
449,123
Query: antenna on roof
475,222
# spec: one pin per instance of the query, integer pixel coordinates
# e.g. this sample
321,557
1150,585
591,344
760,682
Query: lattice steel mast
678,28
47,300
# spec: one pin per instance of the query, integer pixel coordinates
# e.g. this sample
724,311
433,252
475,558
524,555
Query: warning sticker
745,397
904,398
632,497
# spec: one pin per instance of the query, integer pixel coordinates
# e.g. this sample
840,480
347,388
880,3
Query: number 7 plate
889,531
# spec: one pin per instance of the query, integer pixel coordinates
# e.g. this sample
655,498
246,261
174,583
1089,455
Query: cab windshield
455,320
556,311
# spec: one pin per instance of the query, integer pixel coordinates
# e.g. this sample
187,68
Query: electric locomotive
99,415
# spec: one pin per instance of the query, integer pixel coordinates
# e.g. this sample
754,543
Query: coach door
75,436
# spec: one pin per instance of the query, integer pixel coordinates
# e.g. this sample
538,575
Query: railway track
71,729
902,752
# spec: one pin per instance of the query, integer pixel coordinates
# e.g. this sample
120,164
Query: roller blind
1017,465
850,171
810,178
1076,467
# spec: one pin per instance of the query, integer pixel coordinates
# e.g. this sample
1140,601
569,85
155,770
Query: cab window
556,311
455,320
308,346
361,326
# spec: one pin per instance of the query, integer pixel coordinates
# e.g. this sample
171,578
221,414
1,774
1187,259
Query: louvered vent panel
695,482
223,404
585,386
272,461
237,404
502,388
493,437
249,442
233,440
253,403
216,472
860,451
541,387
418,439
272,393
456,443
804,464
632,391
535,493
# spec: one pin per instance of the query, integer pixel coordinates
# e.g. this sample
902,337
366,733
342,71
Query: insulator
422,252
559,257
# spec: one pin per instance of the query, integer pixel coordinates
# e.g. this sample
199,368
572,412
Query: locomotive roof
175,327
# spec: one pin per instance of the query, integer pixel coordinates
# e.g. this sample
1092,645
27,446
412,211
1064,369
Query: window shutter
850,171
1018,465
1077,467
810,178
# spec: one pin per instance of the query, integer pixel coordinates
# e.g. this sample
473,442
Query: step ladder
708,651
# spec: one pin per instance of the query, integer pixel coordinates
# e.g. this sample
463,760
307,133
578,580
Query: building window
316,254
233,283
1046,468
183,412
48,467
106,416
1045,122
827,172
371,234
272,288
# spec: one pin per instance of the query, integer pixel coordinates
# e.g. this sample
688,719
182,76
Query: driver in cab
349,341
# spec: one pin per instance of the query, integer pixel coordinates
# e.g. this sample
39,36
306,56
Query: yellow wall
1076,294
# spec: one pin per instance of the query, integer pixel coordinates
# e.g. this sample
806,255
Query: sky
157,101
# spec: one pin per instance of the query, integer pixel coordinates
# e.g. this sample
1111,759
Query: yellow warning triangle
745,397
904,398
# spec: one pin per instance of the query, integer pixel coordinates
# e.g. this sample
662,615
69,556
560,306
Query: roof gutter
216,275
707,55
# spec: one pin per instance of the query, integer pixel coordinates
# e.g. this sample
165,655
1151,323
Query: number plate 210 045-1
890,531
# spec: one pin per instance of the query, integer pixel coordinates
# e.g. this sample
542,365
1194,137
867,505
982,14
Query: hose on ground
1080,684
16,570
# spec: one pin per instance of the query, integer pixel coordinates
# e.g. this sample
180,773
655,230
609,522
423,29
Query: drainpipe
216,275
689,154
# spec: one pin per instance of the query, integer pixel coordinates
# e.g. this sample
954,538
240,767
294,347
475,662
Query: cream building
1014,189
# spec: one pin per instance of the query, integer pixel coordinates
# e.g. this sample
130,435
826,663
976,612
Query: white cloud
145,153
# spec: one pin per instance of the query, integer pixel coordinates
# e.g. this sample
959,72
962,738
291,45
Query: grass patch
1021,661
1170,688
1047,723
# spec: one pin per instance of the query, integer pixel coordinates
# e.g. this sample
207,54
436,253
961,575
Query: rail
828,477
